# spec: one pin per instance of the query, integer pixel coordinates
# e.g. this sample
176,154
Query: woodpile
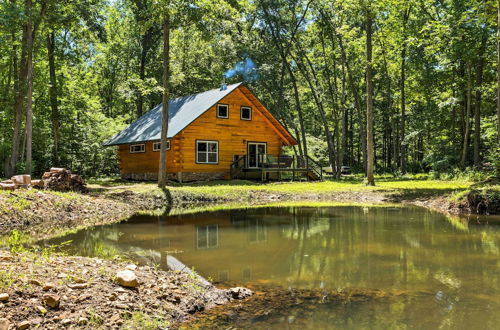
57,179
61,179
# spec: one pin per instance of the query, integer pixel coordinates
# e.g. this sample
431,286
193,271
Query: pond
439,271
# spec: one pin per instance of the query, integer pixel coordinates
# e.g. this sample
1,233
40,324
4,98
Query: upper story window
157,146
137,148
246,113
222,111
207,152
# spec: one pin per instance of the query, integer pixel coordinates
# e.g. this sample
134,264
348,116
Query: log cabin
218,134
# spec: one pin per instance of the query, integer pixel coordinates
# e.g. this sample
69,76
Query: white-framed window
222,111
157,146
207,237
246,113
137,148
207,152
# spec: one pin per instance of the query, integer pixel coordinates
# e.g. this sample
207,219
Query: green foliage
108,68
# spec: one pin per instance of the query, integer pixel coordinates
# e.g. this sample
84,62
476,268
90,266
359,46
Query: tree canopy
73,73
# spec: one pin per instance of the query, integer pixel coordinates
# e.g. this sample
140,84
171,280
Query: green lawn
234,188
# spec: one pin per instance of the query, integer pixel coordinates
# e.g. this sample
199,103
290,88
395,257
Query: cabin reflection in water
227,246
208,241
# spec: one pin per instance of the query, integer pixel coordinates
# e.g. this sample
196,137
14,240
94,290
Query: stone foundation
180,176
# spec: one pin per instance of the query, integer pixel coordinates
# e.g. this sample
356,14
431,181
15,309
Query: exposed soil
52,292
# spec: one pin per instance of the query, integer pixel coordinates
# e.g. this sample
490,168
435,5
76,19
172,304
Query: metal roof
182,111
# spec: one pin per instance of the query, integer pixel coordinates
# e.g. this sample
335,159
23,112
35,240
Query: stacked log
61,179
57,179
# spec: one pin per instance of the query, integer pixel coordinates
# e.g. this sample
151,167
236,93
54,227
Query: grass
235,189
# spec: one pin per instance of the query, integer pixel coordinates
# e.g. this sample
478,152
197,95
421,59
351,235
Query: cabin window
207,237
137,148
246,113
207,152
222,111
157,146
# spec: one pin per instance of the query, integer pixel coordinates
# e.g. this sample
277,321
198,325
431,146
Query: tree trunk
498,73
467,118
142,75
477,105
11,163
406,16
162,175
54,103
369,103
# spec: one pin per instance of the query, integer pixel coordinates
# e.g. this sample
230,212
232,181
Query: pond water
446,270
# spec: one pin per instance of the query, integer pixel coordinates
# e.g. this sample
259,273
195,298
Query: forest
398,86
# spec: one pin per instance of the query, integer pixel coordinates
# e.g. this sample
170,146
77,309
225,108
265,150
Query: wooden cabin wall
148,162
232,134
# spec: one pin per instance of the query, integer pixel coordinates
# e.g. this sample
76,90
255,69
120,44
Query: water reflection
324,248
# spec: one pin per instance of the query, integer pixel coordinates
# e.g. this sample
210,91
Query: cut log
37,183
7,186
58,169
8,181
23,179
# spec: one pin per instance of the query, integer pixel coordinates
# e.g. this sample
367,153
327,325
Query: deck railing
282,163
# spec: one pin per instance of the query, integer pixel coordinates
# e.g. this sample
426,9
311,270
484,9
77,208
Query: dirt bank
51,292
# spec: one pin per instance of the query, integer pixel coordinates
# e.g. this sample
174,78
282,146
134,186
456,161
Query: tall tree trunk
498,75
403,110
54,103
21,90
406,16
32,28
142,75
162,175
477,105
369,103
467,118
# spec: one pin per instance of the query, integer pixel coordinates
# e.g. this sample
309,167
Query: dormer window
222,111
246,113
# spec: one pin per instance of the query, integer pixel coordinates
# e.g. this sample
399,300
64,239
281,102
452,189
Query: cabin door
256,153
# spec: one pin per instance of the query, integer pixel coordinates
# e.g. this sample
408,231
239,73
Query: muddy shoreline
52,291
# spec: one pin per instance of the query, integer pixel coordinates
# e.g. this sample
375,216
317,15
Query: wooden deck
297,166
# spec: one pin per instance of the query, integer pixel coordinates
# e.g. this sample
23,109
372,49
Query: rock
83,320
78,286
66,321
4,324
83,297
35,282
127,279
51,300
4,297
239,293
131,267
23,325
122,306
47,286
41,309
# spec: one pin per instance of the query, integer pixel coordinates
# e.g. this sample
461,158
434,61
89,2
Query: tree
369,102
162,175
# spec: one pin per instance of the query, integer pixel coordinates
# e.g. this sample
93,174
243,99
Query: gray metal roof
182,111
